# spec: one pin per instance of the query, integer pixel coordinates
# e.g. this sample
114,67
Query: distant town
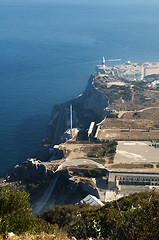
129,70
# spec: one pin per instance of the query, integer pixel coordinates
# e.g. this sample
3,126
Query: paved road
77,162
121,113
142,110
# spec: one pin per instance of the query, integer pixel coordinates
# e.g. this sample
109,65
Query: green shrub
106,149
149,165
15,214
92,173
15,211
133,217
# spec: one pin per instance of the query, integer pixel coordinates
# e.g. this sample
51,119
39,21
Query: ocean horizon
48,52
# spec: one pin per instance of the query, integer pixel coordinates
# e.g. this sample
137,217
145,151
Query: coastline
87,107
36,174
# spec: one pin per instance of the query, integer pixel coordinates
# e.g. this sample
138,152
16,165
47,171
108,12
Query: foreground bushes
41,236
16,217
133,217
15,211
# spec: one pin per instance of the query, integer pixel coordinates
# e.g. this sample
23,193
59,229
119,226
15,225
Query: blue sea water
47,53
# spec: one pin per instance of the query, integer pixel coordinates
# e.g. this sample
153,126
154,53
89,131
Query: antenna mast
71,117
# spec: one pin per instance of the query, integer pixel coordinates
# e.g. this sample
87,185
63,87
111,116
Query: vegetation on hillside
90,173
133,217
40,236
152,77
16,216
133,96
15,211
104,150
130,218
87,175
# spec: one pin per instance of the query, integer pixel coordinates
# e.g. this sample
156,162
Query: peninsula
105,145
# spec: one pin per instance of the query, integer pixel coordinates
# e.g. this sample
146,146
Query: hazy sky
85,1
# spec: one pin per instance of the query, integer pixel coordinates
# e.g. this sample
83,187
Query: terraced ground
125,95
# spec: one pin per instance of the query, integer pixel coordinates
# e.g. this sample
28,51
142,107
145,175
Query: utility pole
71,118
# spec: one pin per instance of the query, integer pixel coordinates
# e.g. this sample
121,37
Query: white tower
142,72
71,118
103,62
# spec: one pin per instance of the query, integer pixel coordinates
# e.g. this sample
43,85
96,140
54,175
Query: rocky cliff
31,171
62,190
89,106
49,188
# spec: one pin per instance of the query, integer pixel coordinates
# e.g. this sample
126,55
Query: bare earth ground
76,155
76,150
125,134
135,119
125,96
141,125
126,122
130,155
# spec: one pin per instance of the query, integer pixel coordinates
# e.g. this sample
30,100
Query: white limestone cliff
89,106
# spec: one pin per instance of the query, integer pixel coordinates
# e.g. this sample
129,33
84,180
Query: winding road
121,113
79,161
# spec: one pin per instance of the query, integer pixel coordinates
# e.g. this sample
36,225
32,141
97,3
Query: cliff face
48,188
31,171
88,107
62,190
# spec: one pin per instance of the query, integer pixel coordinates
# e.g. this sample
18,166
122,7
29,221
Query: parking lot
131,152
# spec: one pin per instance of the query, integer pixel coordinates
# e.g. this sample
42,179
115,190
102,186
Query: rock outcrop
49,188
88,107
31,171
65,191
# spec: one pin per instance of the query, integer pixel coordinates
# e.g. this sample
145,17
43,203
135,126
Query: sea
49,49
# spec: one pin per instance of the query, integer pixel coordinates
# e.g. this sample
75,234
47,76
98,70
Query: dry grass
127,98
42,236
76,150
142,125
127,166
136,135
126,123
151,114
